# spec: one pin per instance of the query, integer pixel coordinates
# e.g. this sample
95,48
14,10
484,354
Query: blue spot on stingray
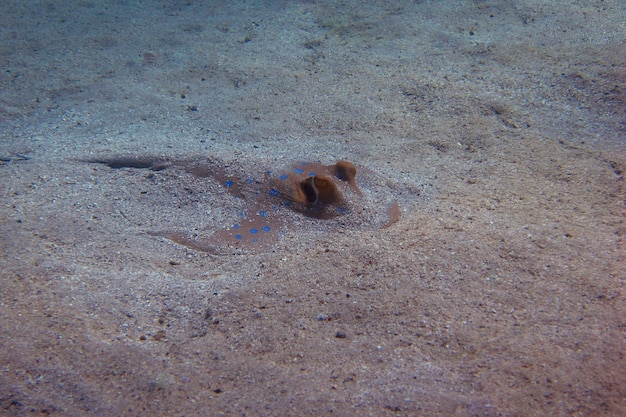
254,231
236,226
228,183
283,177
250,181
263,213
266,228
298,170
238,237
312,174
274,192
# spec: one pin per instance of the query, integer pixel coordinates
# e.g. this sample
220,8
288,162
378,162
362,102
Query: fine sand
497,127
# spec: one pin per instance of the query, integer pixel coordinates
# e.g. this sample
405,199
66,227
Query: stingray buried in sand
307,196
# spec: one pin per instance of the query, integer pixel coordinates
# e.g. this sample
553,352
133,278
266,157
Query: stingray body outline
311,189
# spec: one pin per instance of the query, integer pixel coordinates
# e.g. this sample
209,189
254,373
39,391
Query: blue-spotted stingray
311,196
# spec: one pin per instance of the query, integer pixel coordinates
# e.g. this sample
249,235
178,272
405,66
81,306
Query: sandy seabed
497,127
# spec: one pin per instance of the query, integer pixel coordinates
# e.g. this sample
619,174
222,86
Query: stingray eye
346,171
326,189
309,189
320,183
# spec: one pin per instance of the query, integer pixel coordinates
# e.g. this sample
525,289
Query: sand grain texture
498,127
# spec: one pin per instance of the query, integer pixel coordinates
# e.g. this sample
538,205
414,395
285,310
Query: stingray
329,197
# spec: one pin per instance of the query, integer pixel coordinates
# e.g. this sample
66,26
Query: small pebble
340,335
